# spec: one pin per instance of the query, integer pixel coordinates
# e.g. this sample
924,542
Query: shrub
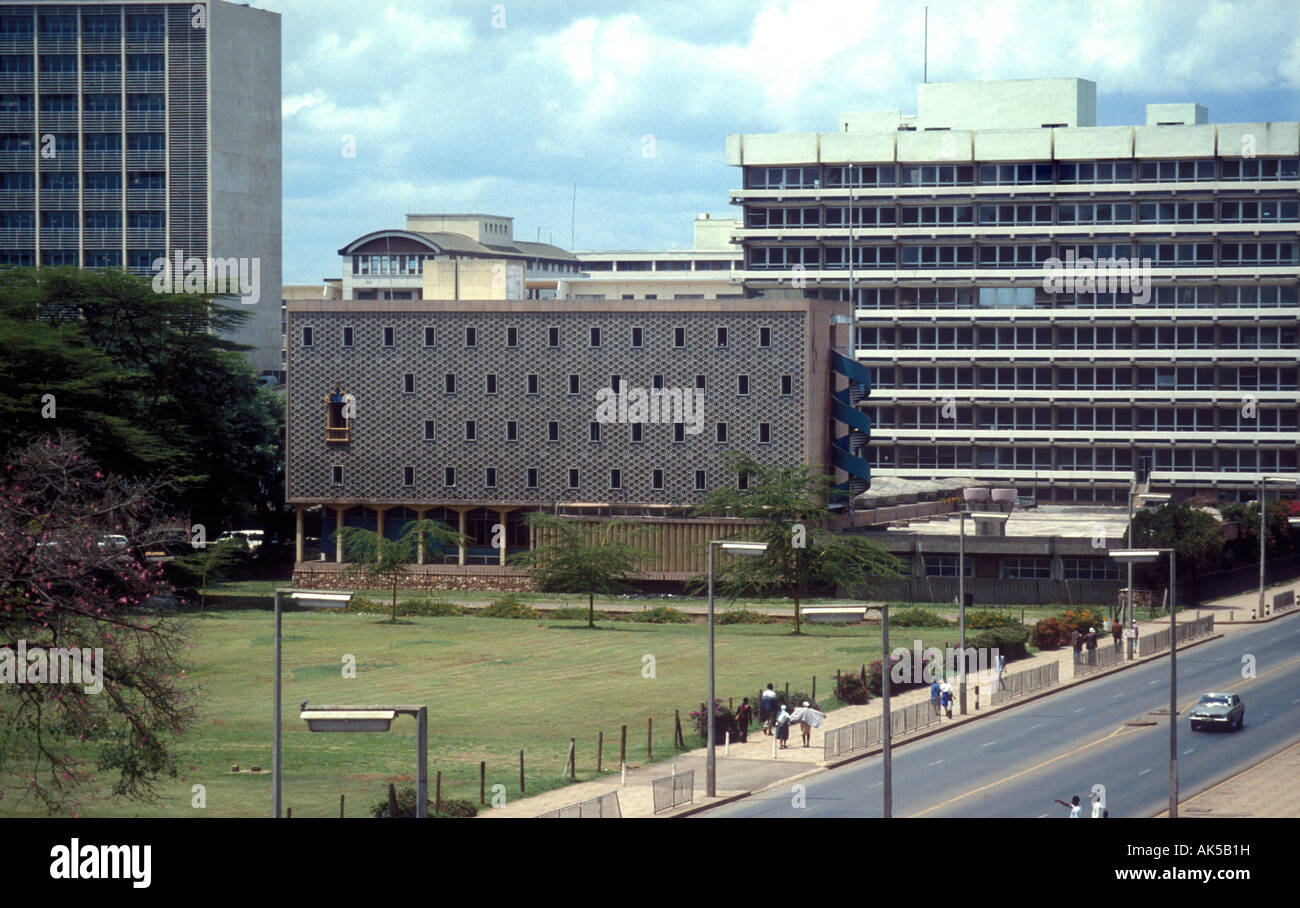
574,613
1047,633
1081,620
427,608
723,721
917,617
851,689
1009,641
406,799
509,606
660,614
983,620
745,616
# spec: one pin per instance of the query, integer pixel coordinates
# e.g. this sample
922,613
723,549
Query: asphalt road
1013,763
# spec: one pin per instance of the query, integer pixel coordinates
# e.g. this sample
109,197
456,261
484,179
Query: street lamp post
711,758
313,599
1145,556
886,726
1263,532
379,718
961,612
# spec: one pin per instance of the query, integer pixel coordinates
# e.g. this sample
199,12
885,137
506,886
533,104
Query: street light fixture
1146,556
378,718
312,599
750,549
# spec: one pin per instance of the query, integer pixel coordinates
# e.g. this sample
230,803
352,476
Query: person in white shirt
1073,805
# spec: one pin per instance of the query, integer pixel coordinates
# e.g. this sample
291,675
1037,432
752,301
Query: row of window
572,478
471,335
99,102
1177,296
66,64
1089,458
492,384
64,25
1048,378
1076,337
1106,419
93,141
1029,568
659,265
1023,215
596,431
1037,173
94,220
96,181
139,259
1231,254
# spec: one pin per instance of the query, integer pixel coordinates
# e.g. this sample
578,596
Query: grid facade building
131,130
947,224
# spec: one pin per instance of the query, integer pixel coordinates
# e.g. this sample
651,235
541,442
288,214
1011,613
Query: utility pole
885,729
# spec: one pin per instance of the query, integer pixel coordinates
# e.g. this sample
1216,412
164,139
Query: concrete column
338,540
298,540
379,524
460,549
419,545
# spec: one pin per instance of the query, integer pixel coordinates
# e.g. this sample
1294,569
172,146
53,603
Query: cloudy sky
500,108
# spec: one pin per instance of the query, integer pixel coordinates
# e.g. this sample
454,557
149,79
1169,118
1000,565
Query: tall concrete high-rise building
1044,302
129,131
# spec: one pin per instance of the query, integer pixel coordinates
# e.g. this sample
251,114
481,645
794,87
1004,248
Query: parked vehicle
113,542
1218,710
252,537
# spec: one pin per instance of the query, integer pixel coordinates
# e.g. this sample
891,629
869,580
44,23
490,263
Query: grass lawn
493,687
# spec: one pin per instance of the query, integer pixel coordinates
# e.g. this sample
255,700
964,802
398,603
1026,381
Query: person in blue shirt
934,696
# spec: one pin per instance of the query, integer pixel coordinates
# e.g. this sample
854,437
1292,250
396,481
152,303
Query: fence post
392,800
341,797
787,693
839,686
678,741
622,746
649,738
521,770
600,751
570,769
482,781
437,792
814,690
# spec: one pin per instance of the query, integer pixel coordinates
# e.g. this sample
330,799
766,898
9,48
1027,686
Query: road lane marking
1040,816
1081,709
990,744
1144,772
1117,696
1070,753
1032,727
1188,750
1157,681
936,762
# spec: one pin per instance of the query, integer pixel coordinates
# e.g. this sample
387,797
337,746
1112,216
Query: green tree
147,379
1195,534
379,559
216,561
580,557
789,504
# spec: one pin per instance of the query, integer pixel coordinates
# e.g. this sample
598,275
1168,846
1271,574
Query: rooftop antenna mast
925,65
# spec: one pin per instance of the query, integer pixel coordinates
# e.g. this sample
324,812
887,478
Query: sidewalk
750,767
1270,788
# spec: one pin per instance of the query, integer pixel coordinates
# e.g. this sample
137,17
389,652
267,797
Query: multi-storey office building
945,223
477,412
129,131
705,271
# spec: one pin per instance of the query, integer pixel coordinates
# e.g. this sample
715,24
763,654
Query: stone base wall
317,579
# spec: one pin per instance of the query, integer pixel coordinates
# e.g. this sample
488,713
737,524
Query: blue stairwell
846,450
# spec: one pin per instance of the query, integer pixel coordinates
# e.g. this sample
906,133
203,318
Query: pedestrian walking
767,709
1091,642
934,696
782,723
945,697
1116,632
744,716
1076,641
1073,805
807,719
1098,801
1002,666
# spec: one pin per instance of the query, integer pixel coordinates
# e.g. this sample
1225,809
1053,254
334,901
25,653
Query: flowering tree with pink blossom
65,583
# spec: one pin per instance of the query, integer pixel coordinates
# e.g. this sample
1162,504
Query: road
1014,763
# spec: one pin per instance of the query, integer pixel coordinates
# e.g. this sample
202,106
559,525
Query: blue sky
502,107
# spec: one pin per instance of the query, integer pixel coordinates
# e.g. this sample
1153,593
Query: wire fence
674,790
603,807
869,732
1188,630
1023,682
